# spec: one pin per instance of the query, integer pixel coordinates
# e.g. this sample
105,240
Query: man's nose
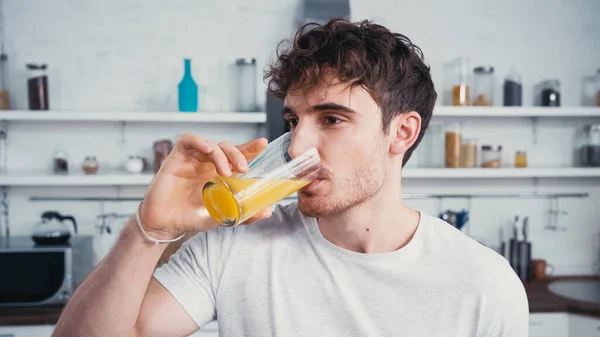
301,142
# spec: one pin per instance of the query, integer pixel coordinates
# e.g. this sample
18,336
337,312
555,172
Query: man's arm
120,297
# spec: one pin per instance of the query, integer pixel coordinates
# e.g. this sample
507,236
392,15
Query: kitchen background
128,56
115,71
114,60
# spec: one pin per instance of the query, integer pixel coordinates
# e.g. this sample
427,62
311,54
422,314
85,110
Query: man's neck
379,225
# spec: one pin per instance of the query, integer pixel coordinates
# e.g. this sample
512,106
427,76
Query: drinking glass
272,176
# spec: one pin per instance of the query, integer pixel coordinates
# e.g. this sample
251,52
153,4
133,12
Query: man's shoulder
482,264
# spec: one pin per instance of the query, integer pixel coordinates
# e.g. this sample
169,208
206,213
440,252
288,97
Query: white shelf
474,173
525,112
127,179
117,179
133,116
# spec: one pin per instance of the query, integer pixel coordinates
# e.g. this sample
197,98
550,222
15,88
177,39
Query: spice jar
60,163
483,86
4,98
90,165
598,88
468,153
550,95
513,89
590,151
491,157
460,86
162,148
453,142
134,164
37,87
246,85
521,159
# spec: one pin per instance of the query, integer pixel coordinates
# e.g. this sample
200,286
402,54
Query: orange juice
233,200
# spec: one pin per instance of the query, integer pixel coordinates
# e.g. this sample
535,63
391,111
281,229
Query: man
348,259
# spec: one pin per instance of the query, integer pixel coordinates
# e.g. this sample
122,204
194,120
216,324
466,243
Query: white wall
127,55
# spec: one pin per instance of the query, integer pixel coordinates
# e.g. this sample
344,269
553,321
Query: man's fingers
251,148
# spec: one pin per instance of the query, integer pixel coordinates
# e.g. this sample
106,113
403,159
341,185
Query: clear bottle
3,151
245,90
513,88
90,165
460,84
453,142
483,86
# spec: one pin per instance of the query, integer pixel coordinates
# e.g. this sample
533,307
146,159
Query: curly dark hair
388,65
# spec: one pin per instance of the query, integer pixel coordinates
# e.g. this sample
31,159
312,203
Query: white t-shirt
281,277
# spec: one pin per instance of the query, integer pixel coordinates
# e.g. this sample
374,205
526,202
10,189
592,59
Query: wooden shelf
522,112
128,179
133,116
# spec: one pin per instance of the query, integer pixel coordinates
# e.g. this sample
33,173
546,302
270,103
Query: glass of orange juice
272,176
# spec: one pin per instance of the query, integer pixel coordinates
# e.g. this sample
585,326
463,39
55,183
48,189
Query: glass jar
550,93
453,142
590,151
162,148
491,157
60,162
4,98
245,90
521,159
598,88
513,88
483,86
460,82
90,165
37,87
468,153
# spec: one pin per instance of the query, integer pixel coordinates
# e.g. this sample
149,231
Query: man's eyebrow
321,107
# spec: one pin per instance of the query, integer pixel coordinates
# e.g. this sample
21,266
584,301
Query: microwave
34,275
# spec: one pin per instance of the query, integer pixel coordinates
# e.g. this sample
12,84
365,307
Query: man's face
344,123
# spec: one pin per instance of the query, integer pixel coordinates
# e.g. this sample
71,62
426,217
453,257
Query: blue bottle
188,90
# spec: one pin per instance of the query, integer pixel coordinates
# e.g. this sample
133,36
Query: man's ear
404,131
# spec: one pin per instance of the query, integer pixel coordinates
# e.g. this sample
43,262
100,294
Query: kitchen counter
30,315
540,300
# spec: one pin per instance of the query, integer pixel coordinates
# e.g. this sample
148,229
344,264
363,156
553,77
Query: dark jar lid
484,70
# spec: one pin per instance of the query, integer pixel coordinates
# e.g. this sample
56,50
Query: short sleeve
193,272
506,308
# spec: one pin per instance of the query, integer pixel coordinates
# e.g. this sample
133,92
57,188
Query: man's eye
332,120
292,122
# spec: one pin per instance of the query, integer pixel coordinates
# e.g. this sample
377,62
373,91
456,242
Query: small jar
483,86
162,148
550,94
590,151
245,91
598,88
453,141
90,165
134,164
460,86
468,153
521,159
60,163
491,157
513,89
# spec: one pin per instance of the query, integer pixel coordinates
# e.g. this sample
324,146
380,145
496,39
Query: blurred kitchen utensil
456,219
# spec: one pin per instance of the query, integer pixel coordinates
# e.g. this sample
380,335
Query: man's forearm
107,303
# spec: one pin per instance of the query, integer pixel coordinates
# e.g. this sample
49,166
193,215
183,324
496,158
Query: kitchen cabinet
583,326
549,325
26,331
